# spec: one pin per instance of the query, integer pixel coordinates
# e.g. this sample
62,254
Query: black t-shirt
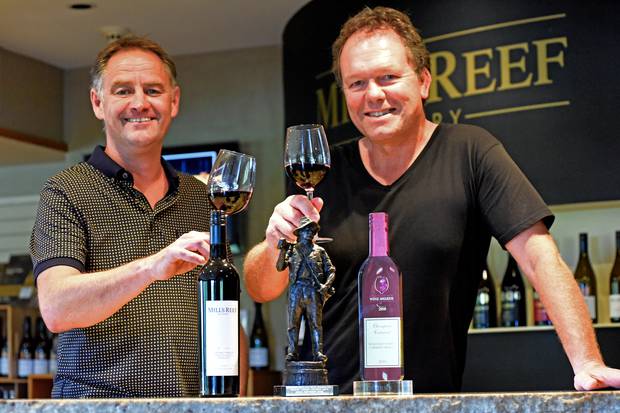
460,191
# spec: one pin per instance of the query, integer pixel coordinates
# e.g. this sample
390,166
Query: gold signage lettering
512,60
442,79
455,115
507,66
472,72
543,59
327,108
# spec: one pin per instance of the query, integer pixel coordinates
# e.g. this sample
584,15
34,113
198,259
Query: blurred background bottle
4,352
541,318
614,285
485,311
584,275
259,347
513,296
25,362
53,354
41,349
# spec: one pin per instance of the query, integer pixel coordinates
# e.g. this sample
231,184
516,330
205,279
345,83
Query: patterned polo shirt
90,217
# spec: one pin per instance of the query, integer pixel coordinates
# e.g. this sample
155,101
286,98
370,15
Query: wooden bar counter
601,401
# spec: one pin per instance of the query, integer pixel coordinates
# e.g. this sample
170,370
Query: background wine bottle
41,349
219,317
513,296
485,311
4,352
614,285
380,308
259,347
53,353
541,318
584,275
25,362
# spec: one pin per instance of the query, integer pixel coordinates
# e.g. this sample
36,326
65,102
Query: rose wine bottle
584,275
219,317
380,308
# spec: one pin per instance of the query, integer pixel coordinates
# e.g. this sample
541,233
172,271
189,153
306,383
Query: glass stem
310,195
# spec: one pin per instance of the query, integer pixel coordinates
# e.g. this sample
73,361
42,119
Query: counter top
548,402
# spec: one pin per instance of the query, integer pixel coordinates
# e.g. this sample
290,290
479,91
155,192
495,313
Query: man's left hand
597,376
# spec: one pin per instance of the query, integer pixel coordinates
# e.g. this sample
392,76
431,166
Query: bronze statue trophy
311,275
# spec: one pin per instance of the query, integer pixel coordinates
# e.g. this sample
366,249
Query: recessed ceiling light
81,6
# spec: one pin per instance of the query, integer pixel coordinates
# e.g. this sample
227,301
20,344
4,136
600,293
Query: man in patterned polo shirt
118,241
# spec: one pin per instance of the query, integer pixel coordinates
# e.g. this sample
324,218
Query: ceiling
52,32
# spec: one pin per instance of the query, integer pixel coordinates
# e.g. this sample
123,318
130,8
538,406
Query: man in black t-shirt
447,190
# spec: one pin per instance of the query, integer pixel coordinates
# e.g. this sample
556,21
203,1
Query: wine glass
231,181
306,158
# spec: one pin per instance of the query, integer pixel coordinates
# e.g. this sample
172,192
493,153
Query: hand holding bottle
184,254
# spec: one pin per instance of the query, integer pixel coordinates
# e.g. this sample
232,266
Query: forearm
262,281
540,260
69,299
568,312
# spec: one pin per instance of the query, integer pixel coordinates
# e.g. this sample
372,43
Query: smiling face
137,101
384,93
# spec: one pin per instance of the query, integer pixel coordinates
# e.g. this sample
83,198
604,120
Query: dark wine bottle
541,318
25,362
219,293
513,296
380,308
485,311
614,285
41,349
586,280
259,347
4,354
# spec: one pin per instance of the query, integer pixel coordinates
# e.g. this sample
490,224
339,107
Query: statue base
305,378
383,388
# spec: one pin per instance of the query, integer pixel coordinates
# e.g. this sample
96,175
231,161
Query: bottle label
259,357
24,367
481,310
540,313
221,321
41,366
382,342
614,306
591,303
53,365
4,366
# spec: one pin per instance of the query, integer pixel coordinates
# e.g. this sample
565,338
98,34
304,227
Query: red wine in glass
306,175
230,202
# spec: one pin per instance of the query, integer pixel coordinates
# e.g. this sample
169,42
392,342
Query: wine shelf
36,385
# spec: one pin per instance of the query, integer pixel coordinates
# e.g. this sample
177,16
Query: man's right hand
184,254
286,216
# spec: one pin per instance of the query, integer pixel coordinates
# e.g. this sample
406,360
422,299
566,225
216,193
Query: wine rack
35,386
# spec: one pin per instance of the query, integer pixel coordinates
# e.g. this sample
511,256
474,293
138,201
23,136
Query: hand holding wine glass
231,181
